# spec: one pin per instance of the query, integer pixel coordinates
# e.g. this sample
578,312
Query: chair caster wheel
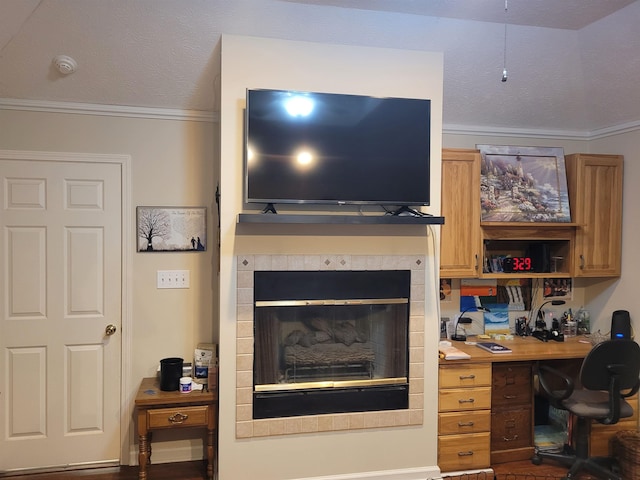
536,460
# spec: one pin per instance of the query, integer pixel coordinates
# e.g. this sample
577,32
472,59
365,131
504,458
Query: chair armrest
546,374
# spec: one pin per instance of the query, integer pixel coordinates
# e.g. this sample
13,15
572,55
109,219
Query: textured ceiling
573,64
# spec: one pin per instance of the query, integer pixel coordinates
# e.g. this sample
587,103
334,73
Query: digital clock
517,264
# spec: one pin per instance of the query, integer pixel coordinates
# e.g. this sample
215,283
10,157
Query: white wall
621,294
267,63
172,164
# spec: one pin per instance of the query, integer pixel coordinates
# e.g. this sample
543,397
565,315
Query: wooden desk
486,403
157,409
525,349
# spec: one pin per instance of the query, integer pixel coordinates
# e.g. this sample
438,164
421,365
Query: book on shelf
493,347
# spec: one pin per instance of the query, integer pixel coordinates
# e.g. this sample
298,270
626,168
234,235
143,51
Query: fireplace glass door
329,342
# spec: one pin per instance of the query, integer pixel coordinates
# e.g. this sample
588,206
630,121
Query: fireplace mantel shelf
339,219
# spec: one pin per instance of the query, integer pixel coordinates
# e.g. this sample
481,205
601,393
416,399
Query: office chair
608,375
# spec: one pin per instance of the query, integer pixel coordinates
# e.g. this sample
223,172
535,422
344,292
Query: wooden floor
523,470
162,471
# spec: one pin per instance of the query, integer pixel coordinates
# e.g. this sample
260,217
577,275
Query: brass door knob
110,330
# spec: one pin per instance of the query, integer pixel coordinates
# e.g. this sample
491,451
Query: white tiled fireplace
246,425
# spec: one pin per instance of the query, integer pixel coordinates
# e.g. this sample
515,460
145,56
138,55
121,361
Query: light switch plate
173,279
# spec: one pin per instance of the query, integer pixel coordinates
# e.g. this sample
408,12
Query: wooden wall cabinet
589,246
595,196
460,235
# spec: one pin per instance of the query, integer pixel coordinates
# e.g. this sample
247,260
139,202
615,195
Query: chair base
603,468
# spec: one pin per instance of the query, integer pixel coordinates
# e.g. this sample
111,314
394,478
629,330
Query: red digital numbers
521,264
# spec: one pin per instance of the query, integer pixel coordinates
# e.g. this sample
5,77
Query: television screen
325,148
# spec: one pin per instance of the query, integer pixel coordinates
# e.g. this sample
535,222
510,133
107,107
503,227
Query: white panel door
60,287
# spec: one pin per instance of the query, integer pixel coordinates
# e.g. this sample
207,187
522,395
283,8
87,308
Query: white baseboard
422,473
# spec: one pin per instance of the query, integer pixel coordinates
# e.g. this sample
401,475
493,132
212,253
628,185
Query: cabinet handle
462,400
468,453
506,439
510,397
477,265
465,424
581,262
467,377
178,418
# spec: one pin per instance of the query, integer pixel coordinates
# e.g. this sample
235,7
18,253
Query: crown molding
108,110
452,129
214,117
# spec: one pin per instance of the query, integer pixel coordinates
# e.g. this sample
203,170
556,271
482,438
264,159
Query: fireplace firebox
330,342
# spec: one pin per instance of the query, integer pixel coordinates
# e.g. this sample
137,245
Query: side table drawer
463,452
456,399
464,422
197,416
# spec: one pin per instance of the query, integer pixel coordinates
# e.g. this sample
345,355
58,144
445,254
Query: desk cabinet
511,412
464,418
601,435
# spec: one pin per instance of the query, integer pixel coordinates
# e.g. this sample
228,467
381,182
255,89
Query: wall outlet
173,279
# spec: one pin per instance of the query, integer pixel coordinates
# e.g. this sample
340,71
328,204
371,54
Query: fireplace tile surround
246,426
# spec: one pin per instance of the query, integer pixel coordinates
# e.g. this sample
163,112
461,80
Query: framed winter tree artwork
523,184
171,229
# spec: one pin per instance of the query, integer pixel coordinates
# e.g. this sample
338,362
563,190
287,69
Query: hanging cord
505,75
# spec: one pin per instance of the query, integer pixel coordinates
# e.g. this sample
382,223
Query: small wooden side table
157,409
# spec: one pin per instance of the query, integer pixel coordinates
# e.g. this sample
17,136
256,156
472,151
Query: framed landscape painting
171,229
523,184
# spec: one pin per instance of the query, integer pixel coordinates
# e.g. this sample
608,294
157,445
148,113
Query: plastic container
185,384
570,328
170,373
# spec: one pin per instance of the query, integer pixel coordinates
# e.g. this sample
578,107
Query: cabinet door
595,195
460,235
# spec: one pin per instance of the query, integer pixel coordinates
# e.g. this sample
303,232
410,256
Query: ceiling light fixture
505,75
65,64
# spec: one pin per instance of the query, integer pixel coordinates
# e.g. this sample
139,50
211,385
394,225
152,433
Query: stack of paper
452,353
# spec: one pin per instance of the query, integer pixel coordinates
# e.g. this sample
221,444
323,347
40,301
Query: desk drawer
197,416
456,399
511,385
511,429
464,452
474,375
464,422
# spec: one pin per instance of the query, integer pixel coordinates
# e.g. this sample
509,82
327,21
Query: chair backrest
612,357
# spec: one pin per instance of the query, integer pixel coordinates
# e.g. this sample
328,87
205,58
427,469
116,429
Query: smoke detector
65,64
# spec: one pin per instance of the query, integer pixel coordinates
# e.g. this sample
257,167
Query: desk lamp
544,334
463,319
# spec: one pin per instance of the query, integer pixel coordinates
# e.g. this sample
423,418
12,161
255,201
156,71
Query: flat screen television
327,148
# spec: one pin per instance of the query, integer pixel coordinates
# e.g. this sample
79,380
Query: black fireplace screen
330,341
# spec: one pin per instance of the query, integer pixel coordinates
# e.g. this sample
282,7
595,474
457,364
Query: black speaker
540,255
620,325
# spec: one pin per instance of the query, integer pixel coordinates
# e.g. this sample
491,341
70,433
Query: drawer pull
465,424
506,439
510,397
467,377
468,453
178,418
463,400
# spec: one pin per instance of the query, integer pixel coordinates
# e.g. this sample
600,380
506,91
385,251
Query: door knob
110,330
